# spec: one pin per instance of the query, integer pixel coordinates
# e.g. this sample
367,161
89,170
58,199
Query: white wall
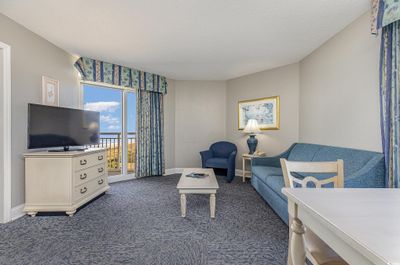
169,125
1,135
32,57
339,90
335,90
282,82
199,119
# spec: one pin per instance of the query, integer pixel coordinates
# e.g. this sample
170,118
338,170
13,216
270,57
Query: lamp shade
252,127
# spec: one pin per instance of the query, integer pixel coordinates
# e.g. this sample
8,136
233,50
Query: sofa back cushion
354,159
303,152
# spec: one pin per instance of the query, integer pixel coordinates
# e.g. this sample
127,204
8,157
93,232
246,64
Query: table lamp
252,129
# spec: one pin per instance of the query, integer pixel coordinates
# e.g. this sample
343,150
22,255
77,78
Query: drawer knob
83,176
83,162
101,181
83,190
100,169
100,157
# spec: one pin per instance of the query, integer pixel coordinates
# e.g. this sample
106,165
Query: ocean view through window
117,109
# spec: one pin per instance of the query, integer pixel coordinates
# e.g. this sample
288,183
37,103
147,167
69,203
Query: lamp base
252,143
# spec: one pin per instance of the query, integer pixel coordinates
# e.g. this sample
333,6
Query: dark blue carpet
138,222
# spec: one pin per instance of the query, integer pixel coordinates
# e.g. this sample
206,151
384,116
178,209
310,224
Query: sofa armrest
205,155
273,161
372,175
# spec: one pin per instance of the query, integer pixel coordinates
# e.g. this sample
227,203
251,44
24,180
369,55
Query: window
117,109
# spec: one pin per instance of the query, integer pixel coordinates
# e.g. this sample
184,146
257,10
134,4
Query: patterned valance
98,71
384,12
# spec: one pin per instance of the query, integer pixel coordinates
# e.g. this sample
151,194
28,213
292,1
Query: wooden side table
247,157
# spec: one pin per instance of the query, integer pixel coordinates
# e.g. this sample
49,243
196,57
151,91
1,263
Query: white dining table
360,225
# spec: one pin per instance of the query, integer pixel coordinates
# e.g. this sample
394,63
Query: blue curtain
390,101
383,13
150,134
99,71
150,90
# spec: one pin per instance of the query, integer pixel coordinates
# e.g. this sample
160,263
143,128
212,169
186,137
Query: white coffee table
206,185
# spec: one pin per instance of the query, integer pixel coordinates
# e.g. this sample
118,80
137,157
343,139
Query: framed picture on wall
265,110
50,91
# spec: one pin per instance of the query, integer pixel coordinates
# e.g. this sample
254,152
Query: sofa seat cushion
276,183
217,162
272,177
263,171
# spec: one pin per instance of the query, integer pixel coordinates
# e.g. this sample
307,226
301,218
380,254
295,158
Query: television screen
61,127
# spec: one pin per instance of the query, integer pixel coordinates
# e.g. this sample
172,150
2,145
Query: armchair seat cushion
217,162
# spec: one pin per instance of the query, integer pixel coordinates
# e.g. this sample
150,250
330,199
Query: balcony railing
113,142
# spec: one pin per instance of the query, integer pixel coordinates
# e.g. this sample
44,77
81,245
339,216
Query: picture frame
265,110
50,91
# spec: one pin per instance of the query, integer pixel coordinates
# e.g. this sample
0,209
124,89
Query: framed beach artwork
50,91
264,110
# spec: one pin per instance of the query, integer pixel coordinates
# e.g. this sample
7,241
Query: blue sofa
362,169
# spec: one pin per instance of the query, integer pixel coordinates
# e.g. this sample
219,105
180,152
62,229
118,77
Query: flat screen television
50,126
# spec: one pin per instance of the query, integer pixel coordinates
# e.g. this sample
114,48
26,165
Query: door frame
124,172
6,192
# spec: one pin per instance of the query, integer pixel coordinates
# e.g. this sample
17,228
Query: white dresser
64,181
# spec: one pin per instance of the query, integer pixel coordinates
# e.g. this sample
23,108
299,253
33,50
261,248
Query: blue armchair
220,155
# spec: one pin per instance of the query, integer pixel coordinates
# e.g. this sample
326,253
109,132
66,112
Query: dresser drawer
89,187
87,161
88,174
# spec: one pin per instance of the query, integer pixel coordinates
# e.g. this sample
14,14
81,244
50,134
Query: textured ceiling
188,39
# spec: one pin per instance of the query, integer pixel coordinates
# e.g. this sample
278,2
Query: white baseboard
171,171
168,171
238,172
17,212
113,179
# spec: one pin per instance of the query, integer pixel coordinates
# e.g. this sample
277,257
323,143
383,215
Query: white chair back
317,252
288,167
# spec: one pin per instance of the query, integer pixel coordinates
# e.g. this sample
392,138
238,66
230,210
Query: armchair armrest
273,161
231,166
372,175
205,155
232,159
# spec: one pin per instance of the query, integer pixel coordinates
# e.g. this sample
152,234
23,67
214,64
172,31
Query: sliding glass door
117,109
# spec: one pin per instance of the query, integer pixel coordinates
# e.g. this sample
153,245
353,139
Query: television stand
67,149
64,181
